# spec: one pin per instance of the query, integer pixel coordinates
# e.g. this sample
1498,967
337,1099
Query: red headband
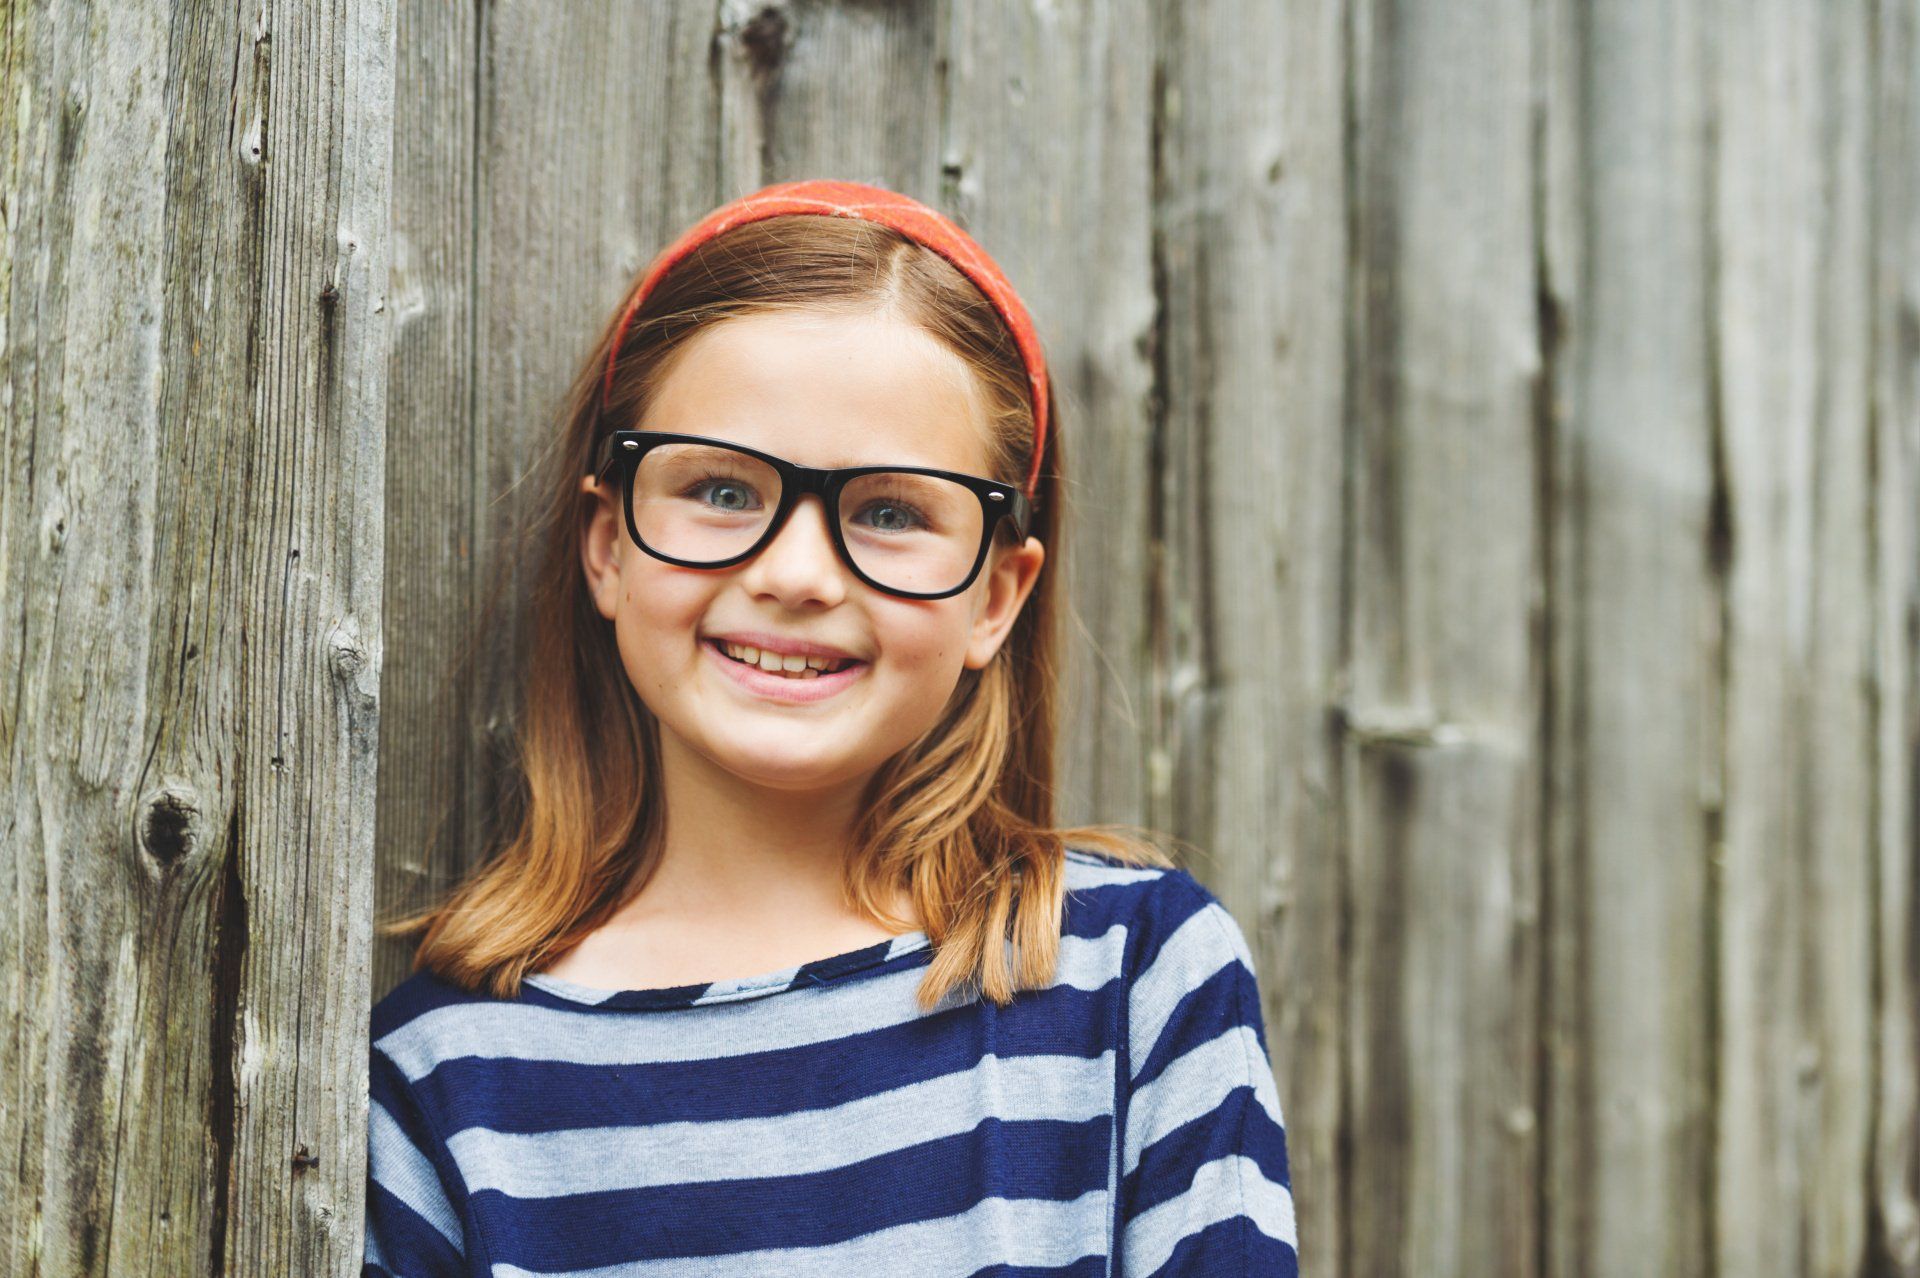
873,204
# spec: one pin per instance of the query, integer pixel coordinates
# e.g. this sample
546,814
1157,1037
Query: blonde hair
962,819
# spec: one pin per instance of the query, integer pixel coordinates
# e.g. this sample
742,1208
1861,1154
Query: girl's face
822,390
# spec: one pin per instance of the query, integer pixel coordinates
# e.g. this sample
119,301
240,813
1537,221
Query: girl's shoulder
423,992
1161,911
1125,885
427,1018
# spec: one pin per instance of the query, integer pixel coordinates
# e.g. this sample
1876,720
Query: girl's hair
962,818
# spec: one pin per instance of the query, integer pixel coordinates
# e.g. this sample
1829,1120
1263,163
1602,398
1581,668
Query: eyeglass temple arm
602,460
1021,513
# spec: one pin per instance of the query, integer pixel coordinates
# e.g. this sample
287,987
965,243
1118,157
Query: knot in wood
169,824
766,37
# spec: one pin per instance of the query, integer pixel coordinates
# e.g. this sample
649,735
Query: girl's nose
801,562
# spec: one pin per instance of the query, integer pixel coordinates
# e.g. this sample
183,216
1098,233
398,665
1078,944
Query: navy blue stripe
1086,1267
1180,899
1238,1126
1203,1014
934,1179
408,1244
510,1095
424,991
1233,1246
387,1085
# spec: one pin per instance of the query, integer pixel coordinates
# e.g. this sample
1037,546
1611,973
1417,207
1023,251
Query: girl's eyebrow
840,462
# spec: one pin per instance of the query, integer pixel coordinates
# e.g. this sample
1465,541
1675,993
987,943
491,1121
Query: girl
785,968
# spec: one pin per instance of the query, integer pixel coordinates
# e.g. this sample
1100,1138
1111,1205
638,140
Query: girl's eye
727,493
893,516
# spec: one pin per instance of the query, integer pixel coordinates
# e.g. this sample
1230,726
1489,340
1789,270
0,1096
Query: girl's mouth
776,663
809,683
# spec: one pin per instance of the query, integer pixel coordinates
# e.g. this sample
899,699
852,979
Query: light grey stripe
1197,949
1113,1187
569,989
905,942
814,1014
407,1174
1094,874
1222,1189
1022,1231
594,1159
1196,1084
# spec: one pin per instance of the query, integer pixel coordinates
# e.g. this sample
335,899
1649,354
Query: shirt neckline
735,989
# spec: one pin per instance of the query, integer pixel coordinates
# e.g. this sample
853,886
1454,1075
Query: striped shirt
1122,1121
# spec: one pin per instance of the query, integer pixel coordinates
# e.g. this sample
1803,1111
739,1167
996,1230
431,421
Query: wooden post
193,379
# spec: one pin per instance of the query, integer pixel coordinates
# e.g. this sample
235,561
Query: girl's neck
738,852
749,881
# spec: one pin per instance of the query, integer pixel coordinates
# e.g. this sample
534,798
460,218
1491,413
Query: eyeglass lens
704,504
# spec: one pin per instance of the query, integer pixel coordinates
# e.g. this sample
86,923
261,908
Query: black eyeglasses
707,503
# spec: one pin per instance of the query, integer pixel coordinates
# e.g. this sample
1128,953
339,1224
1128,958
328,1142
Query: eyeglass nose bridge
800,480
796,481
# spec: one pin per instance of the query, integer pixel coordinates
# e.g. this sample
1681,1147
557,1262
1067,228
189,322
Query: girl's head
827,342
862,383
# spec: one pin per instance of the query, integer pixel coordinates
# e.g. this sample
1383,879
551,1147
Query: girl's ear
1010,575
599,542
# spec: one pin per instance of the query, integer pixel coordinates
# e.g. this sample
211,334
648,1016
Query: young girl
785,969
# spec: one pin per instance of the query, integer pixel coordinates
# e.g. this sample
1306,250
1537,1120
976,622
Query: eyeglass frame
998,501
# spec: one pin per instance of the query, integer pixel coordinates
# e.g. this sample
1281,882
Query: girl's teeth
792,667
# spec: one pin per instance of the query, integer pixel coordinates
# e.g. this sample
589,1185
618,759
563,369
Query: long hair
962,819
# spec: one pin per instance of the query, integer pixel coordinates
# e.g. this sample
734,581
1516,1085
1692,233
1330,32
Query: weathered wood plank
429,796
1637,558
1790,189
1441,723
1893,1183
1246,506
195,365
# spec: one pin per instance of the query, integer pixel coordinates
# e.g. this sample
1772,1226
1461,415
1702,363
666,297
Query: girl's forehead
826,389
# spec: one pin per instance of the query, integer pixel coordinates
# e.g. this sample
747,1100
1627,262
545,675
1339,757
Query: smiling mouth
773,663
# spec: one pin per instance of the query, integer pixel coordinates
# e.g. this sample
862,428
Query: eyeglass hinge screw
996,496
630,445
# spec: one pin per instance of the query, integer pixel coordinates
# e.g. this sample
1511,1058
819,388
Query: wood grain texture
437,537
194,382
1893,289
1639,548
1791,198
1444,701
1250,268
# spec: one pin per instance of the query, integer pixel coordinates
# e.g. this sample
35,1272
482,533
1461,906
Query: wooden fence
1498,442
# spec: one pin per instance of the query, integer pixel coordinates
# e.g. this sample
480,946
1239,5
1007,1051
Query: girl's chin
793,773
773,756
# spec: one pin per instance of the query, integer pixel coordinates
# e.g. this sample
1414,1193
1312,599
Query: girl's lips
779,687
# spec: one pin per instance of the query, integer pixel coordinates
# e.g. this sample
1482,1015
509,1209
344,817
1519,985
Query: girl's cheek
664,600
927,643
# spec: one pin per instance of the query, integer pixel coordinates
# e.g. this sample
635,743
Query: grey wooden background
1498,448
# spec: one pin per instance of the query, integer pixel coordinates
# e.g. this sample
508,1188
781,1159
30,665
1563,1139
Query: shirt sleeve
415,1196
1204,1187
